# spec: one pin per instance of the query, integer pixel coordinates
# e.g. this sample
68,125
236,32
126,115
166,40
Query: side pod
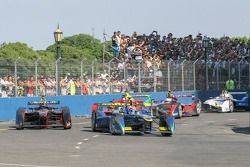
117,125
167,125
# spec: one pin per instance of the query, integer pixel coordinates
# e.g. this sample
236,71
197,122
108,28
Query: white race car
222,103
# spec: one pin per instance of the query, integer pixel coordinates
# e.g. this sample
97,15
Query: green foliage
241,39
10,52
79,47
73,49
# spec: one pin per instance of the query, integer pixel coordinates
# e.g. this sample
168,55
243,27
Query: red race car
179,106
190,105
43,115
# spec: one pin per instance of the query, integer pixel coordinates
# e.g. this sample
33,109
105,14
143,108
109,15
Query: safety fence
90,77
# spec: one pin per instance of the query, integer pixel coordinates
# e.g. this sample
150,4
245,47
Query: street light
205,45
58,35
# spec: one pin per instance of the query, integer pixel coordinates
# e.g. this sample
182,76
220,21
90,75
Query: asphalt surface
212,139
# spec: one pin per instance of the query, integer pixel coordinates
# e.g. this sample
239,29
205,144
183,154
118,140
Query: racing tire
93,121
167,134
231,106
180,112
113,124
198,108
66,118
150,128
20,114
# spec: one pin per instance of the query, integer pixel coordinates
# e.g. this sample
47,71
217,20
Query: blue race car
240,100
120,118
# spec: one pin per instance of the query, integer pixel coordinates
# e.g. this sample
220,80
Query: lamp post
58,35
205,45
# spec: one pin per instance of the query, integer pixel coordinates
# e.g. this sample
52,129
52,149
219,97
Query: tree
78,47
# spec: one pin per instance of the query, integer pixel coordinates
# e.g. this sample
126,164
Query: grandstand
140,63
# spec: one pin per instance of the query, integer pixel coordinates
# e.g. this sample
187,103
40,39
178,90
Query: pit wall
80,105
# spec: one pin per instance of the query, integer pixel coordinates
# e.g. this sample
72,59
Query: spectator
115,47
30,85
71,87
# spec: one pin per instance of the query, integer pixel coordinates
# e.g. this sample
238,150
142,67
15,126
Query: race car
121,118
189,104
42,114
170,106
179,105
240,100
146,100
226,102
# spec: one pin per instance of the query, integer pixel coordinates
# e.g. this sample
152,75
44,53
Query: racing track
212,139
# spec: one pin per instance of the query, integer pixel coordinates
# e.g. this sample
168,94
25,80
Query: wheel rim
68,124
112,126
231,106
180,111
93,122
198,108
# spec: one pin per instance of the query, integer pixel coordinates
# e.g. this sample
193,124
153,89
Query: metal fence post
124,73
92,71
194,74
239,74
139,77
229,70
169,74
217,76
154,78
81,77
248,74
182,75
16,76
36,77
110,76
57,80
206,75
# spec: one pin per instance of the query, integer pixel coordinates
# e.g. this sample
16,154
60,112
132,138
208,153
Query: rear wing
137,96
113,104
238,93
43,103
185,95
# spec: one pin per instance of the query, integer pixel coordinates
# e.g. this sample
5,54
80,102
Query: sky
34,21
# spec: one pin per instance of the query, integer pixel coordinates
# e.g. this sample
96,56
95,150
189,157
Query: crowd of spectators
68,85
153,51
153,47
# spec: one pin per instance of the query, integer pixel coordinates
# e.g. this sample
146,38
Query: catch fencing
21,78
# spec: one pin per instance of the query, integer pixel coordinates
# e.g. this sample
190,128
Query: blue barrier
80,105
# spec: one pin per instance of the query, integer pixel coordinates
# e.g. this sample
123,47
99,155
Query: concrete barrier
80,105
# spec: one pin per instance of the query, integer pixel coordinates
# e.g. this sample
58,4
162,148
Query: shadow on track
243,130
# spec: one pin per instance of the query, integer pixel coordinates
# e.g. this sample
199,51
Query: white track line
232,119
22,165
74,155
95,136
3,129
77,147
81,123
86,139
210,121
106,133
79,143
184,124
